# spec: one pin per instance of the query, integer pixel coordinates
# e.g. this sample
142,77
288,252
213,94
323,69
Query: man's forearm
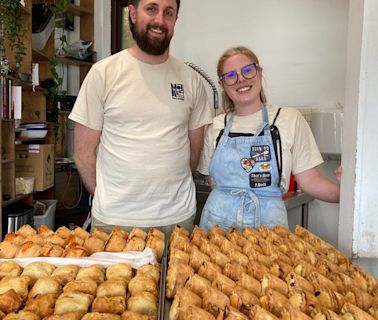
87,172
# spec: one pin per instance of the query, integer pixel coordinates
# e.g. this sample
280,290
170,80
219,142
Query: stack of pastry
264,274
43,242
43,291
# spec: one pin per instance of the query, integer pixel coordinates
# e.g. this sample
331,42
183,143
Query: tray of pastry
82,282
264,273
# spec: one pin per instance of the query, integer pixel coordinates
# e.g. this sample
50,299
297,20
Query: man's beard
154,47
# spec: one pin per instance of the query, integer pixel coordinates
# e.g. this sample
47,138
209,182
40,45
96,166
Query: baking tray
163,275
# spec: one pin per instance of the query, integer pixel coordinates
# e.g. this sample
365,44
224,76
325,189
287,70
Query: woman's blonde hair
228,105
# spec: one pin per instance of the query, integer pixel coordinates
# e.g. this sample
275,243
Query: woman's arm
85,144
314,184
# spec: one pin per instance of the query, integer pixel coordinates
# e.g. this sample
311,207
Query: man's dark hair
135,3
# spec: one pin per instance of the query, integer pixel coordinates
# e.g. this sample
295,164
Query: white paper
35,74
135,259
17,101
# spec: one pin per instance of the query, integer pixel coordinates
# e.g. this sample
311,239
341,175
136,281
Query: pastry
65,274
100,316
178,274
141,283
75,250
95,272
94,244
115,304
81,233
9,268
197,284
44,231
38,269
26,230
29,249
63,232
138,233
119,271
143,303
19,284
157,244
44,286
10,301
51,250
72,302
112,288
8,250
151,271
86,285
22,315
101,234
214,301
42,305
135,244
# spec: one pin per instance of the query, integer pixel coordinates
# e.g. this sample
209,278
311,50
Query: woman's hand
211,182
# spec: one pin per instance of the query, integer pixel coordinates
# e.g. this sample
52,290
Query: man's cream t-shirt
299,149
143,162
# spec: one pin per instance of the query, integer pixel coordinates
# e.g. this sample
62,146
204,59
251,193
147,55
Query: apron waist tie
248,201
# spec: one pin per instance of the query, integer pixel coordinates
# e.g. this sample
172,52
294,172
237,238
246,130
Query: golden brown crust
214,301
95,272
197,284
29,249
94,244
72,302
81,233
75,250
65,274
38,269
9,268
116,304
112,288
8,250
22,315
10,301
141,283
115,243
88,286
42,305
151,271
44,231
63,232
19,284
44,286
101,234
14,238
119,271
130,315
177,275
100,316
157,245
26,230
135,244
51,250
143,303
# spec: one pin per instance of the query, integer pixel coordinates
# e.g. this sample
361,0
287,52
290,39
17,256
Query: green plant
12,31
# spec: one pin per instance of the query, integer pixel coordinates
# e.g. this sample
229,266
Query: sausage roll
234,314
154,232
197,284
250,283
66,316
214,301
177,275
198,236
224,284
115,304
196,258
320,281
234,270
259,313
257,270
209,270
294,280
179,256
290,313
270,281
274,302
350,311
237,237
243,300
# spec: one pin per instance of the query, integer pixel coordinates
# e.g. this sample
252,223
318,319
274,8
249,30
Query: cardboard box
38,161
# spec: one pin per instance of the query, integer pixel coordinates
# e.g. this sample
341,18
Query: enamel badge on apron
260,153
247,164
260,179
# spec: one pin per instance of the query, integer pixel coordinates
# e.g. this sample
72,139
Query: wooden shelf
39,56
5,161
74,62
79,11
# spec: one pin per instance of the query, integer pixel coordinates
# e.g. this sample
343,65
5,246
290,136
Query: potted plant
12,32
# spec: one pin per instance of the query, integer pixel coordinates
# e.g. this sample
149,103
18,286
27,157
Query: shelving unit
34,102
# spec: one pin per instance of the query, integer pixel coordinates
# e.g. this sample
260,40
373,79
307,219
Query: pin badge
265,167
247,164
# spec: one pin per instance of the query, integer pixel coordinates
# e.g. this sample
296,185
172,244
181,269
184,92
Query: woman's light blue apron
247,191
